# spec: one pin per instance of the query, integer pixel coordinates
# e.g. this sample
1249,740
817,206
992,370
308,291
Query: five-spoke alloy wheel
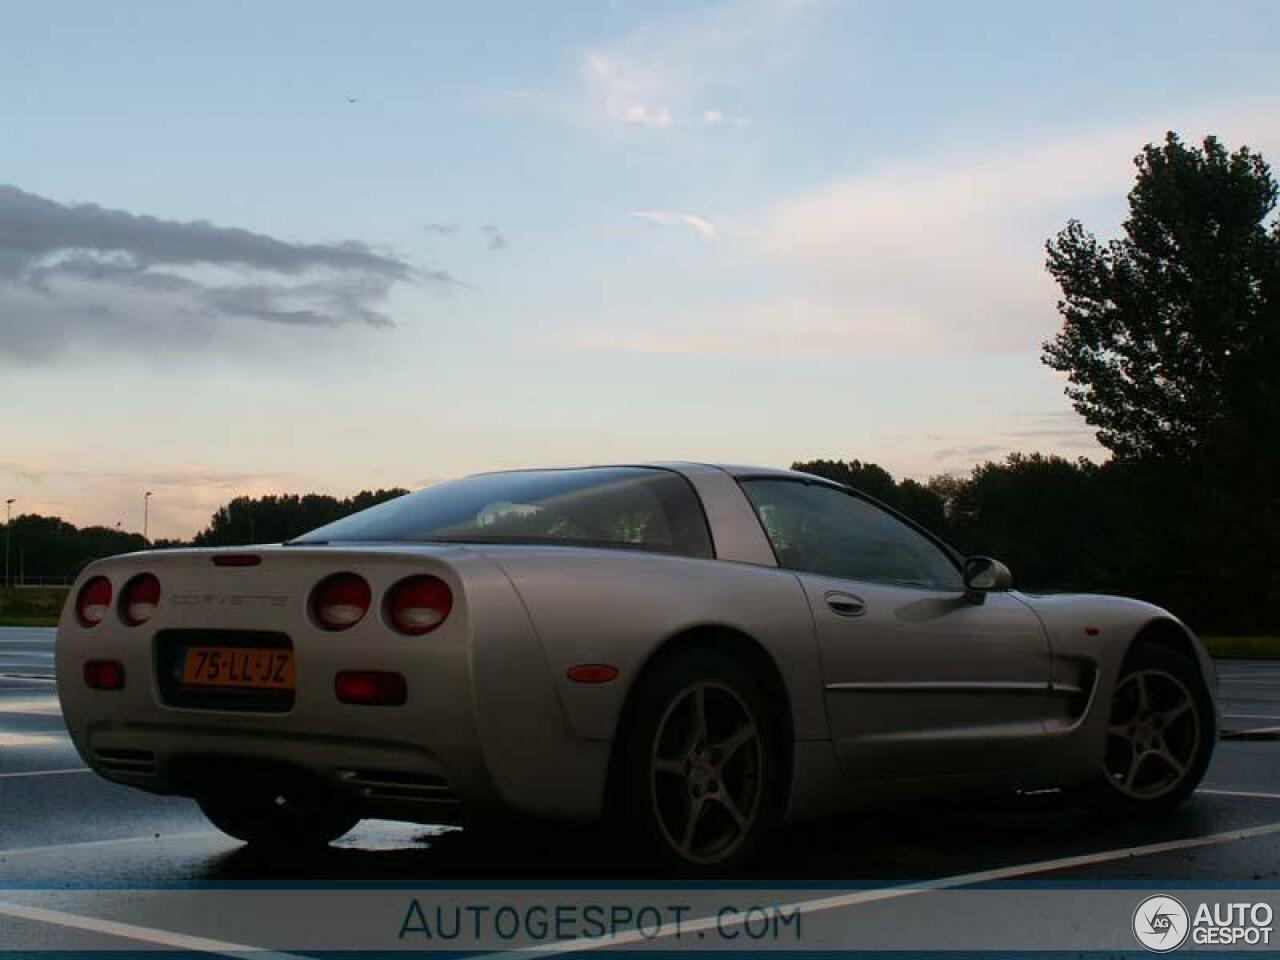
1161,731
705,772
701,762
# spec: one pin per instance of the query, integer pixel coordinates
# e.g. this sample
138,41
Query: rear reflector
340,601
104,674
139,599
592,673
418,605
236,560
371,688
93,601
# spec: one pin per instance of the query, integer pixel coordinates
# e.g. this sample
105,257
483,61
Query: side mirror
982,575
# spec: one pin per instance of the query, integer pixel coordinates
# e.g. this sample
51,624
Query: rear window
630,507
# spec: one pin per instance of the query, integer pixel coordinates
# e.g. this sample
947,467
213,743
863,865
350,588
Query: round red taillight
340,601
418,605
93,601
139,599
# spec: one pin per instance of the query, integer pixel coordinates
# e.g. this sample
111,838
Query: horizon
410,243
352,494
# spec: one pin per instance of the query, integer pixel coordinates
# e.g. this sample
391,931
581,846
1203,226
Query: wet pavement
63,827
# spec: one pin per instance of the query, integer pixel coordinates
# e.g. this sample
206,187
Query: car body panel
921,693
618,607
924,683
1089,636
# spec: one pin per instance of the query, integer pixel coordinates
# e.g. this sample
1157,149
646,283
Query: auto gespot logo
1161,923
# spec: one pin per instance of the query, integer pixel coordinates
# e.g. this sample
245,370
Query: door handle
846,604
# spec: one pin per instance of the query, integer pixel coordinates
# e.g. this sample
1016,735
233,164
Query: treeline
1165,534
1185,538
41,548
48,548
274,519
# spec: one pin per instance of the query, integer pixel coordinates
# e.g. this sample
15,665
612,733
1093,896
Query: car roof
747,470
736,470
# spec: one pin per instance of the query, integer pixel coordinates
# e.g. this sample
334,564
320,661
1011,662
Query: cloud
946,254
795,330
641,114
81,275
33,226
970,453
917,258
192,476
494,238
185,497
668,218
657,77
442,229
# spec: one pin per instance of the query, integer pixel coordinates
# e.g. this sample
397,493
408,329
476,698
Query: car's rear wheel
1160,733
703,773
279,818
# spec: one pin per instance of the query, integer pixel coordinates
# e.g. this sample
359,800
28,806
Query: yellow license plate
238,667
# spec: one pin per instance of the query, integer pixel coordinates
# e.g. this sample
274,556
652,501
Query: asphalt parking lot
63,827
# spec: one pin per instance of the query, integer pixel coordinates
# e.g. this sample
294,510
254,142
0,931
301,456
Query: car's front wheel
278,818
1161,732
703,773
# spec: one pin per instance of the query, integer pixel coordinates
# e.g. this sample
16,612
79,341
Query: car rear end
356,668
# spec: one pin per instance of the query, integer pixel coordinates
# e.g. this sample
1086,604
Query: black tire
728,779
279,819
1156,756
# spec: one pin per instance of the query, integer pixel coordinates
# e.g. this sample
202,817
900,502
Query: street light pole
8,536
146,504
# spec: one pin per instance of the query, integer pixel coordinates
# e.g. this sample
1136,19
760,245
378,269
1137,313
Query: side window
819,529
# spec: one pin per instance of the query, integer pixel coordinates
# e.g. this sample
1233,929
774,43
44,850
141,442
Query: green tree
50,547
908,497
276,518
1042,515
1171,333
1171,343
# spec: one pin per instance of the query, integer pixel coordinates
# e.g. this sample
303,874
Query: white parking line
47,704
368,829
93,844
42,773
816,905
129,931
1252,794
31,739
822,904
1249,716
1251,732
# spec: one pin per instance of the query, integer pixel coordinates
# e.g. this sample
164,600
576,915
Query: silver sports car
699,651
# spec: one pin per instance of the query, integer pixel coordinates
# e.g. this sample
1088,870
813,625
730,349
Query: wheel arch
731,642
1166,632
1160,637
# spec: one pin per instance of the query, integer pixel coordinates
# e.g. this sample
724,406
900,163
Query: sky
251,248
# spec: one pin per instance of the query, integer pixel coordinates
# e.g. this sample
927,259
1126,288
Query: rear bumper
382,778
482,729
385,761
